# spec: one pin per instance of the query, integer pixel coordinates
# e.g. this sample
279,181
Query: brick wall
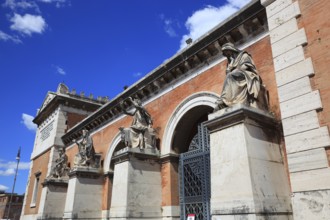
39,165
162,108
315,19
73,119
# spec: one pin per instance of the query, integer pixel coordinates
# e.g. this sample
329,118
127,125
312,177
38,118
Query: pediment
49,97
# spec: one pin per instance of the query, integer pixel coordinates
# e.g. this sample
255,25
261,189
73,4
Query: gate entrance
194,170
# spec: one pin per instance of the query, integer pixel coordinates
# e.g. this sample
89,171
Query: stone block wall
299,34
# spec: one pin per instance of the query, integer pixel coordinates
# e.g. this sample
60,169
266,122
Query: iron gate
194,173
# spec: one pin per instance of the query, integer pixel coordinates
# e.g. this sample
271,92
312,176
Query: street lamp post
18,157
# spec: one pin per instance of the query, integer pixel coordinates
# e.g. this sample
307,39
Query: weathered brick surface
170,192
106,197
40,164
73,119
327,150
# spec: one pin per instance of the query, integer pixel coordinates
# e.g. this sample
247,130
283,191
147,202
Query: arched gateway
186,136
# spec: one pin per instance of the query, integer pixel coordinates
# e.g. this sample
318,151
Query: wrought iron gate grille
195,177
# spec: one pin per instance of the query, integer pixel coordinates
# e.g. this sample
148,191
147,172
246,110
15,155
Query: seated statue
60,169
86,154
242,85
140,133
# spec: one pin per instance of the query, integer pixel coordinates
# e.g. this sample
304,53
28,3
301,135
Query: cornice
241,27
67,100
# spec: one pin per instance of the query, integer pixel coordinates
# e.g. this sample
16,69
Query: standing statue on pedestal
242,85
60,169
86,154
140,133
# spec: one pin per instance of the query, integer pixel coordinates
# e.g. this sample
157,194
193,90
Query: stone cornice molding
240,113
241,27
67,100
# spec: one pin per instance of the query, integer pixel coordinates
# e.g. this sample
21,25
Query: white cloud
60,70
138,74
3,188
8,168
169,28
238,3
27,121
168,25
28,24
7,172
58,3
13,5
7,37
205,19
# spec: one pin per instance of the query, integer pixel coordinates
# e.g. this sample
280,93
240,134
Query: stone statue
242,84
86,154
140,133
60,169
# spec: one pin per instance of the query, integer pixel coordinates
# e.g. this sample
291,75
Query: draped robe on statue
141,122
140,133
242,83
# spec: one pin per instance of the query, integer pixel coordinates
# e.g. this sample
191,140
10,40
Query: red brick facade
210,81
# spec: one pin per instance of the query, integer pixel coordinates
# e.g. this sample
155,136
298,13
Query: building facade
15,206
248,164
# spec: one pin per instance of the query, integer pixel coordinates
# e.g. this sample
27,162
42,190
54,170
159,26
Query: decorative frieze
250,24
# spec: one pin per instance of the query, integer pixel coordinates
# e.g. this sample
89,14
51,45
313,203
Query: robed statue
243,84
140,133
60,169
86,154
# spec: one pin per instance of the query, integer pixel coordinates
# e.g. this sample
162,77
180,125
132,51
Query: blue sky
95,46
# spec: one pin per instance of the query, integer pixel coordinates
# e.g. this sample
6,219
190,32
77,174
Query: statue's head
84,132
228,49
61,150
137,101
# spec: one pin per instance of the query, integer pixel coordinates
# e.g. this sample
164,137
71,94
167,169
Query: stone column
136,192
84,197
248,179
52,196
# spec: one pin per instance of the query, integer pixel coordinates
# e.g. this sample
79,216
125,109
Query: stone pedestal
136,192
84,197
52,196
248,179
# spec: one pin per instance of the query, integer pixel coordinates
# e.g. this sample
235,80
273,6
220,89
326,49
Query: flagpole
18,157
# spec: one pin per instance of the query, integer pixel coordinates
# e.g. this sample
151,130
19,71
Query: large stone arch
200,100
114,144
179,131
